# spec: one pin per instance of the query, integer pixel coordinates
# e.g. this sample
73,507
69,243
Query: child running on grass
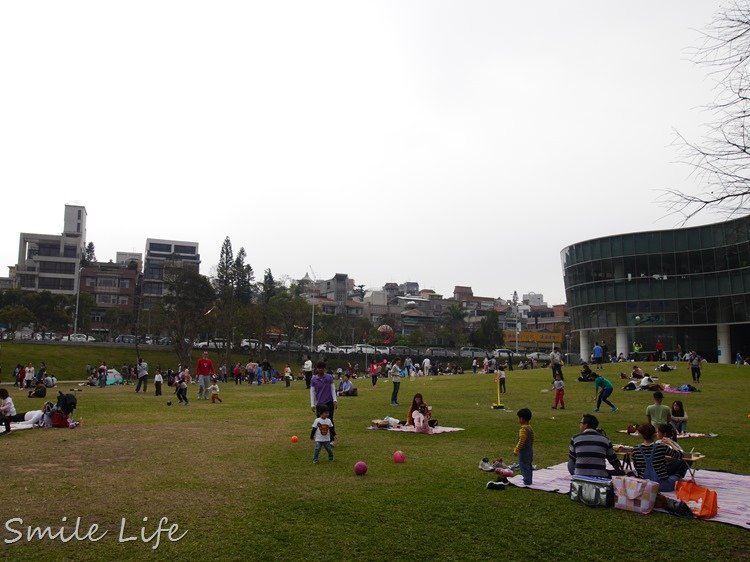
214,390
321,434
559,386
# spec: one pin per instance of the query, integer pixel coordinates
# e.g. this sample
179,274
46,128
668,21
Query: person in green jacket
603,389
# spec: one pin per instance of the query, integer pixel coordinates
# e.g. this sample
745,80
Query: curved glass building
689,288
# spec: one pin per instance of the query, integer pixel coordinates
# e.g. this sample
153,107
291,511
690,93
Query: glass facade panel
617,245
667,241
628,246
641,243
694,238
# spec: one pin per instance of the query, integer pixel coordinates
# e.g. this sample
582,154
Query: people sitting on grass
651,460
590,449
657,413
7,410
678,417
420,415
40,391
346,388
50,381
587,375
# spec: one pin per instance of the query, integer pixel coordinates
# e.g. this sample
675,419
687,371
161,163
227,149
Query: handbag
703,502
634,494
591,491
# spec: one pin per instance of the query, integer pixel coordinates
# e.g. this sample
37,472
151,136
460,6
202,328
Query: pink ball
360,468
399,457
295,438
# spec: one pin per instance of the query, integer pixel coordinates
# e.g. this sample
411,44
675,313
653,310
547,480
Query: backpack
59,419
66,403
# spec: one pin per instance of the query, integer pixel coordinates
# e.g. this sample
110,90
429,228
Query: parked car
346,349
538,356
78,338
404,351
248,344
439,352
328,348
502,353
286,345
472,352
365,348
383,349
216,343
125,338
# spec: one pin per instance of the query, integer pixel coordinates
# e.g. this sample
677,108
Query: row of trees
231,305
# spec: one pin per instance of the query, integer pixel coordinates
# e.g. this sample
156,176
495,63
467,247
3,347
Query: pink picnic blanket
412,429
732,490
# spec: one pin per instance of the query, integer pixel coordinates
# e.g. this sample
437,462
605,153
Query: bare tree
721,160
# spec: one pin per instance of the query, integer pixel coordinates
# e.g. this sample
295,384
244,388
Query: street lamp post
78,298
312,322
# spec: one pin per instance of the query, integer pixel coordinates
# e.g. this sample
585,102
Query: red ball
399,457
360,468
295,438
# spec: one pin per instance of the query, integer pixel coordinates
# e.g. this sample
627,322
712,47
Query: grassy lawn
229,475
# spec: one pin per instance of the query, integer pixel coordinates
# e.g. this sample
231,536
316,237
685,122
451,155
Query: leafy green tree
189,299
453,329
120,320
89,254
244,278
16,316
488,335
224,284
290,313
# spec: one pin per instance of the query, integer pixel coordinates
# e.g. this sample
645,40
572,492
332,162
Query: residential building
112,286
51,262
159,255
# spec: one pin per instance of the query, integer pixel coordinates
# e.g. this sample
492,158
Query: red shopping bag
702,501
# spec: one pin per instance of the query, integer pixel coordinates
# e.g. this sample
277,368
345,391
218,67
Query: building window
28,281
57,267
123,300
97,316
79,214
50,250
106,282
90,281
78,227
156,247
105,299
151,288
70,252
124,283
184,249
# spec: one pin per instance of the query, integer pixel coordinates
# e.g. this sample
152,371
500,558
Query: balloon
387,333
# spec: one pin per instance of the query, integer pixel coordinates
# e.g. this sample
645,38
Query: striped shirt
588,453
660,454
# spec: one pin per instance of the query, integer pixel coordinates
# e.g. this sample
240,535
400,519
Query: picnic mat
680,436
412,429
732,490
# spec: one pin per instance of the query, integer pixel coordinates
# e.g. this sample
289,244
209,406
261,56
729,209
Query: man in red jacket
204,369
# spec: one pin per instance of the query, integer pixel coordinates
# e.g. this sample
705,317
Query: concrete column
621,343
585,349
722,344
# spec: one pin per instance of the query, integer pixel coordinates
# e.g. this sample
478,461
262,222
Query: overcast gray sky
448,143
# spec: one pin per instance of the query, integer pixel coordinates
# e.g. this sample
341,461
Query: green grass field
229,475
